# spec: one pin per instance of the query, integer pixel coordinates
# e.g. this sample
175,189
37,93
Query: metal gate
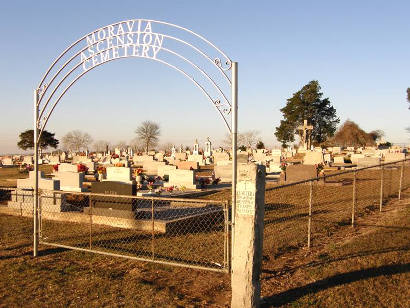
175,231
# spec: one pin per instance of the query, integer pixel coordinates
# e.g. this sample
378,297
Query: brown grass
9,176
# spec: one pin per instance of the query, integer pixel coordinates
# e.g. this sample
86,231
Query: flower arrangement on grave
55,167
216,181
320,167
24,168
283,166
119,165
115,156
81,168
101,170
138,171
182,188
139,176
170,189
150,185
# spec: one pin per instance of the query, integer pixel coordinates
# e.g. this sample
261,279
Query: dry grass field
364,266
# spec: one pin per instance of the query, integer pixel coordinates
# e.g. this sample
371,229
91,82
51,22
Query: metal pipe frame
42,88
234,134
310,214
35,203
401,180
228,61
215,269
354,197
130,56
381,188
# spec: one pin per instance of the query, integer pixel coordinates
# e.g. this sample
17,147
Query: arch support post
234,133
35,195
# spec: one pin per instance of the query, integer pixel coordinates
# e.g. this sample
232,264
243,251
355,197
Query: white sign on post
245,198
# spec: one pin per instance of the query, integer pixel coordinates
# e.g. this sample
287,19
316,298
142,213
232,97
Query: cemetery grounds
366,265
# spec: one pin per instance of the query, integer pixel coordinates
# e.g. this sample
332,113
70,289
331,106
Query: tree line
306,104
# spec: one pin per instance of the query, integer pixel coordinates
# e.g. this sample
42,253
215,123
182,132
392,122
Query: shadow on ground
340,279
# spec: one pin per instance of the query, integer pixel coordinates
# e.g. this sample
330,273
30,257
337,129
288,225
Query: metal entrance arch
189,53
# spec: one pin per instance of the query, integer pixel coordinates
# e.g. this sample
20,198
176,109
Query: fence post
381,187
354,197
90,203
227,263
310,211
401,179
248,249
152,229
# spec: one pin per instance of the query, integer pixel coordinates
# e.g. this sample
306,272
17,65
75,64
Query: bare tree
247,139
76,140
137,145
250,138
101,145
121,145
408,96
148,133
167,146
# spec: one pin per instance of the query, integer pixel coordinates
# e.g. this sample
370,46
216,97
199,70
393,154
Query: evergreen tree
307,104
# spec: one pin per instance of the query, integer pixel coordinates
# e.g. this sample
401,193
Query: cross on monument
305,128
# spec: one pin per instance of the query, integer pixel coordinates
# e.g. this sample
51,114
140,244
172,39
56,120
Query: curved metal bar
123,45
165,35
125,21
123,57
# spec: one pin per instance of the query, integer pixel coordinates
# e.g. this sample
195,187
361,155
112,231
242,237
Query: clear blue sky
358,50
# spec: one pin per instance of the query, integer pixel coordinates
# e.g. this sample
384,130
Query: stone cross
208,148
196,148
305,141
173,151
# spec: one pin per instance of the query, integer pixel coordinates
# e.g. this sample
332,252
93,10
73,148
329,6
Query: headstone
339,159
368,162
182,178
242,158
119,174
354,158
43,183
197,158
313,158
208,148
221,156
151,167
392,157
70,181
164,170
336,150
64,167
181,156
224,171
114,207
187,165
297,173
7,161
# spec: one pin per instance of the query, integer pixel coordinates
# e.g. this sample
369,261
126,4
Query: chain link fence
184,232
299,214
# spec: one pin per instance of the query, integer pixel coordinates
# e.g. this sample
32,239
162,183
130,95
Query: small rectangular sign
245,198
